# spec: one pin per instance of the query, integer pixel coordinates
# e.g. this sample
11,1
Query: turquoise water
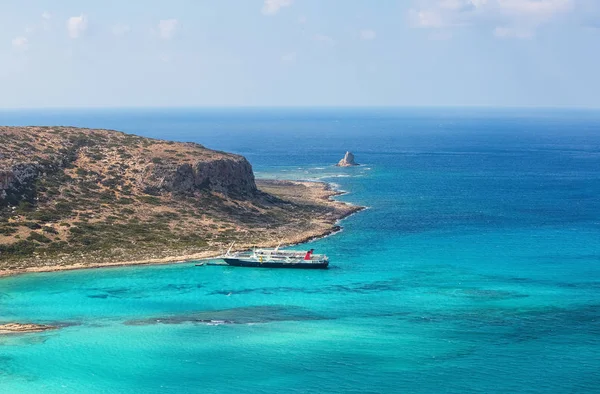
476,267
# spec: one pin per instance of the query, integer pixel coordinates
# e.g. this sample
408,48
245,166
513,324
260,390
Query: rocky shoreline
20,328
323,223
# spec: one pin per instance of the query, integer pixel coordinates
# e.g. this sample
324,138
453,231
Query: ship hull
275,264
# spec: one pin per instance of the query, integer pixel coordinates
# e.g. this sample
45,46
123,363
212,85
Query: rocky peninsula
80,198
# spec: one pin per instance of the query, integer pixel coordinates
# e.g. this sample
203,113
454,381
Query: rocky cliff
17,181
230,175
123,161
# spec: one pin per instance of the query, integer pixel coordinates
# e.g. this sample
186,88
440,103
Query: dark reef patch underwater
244,315
475,268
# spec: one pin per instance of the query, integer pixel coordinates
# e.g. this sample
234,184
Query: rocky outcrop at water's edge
19,328
347,161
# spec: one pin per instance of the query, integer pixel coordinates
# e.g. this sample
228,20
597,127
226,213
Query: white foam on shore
336,187
337,223
216,323
334,176
325,236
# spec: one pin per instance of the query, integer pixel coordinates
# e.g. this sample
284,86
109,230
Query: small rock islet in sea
347,161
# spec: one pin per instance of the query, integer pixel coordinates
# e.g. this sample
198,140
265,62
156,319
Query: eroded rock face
17,183
109,159
231,175
347,161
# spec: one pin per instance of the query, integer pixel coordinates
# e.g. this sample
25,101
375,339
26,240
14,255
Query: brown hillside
69,195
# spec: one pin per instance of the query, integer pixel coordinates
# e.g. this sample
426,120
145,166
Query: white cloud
302,19
271,7
46,21
77,25
367,34
289,58
20,43
535,8
506,18
446,13
167,28
427,19
120,30
324,39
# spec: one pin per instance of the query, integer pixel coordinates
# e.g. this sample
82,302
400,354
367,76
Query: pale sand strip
18,328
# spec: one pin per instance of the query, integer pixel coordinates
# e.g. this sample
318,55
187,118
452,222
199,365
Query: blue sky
100,53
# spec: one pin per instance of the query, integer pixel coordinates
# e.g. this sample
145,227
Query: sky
216,53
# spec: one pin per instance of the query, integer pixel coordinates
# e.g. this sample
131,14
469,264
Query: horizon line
291,107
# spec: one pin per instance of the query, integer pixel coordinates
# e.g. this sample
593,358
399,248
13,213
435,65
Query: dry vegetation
91,204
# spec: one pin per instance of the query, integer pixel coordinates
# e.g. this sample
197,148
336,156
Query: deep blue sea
476,268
